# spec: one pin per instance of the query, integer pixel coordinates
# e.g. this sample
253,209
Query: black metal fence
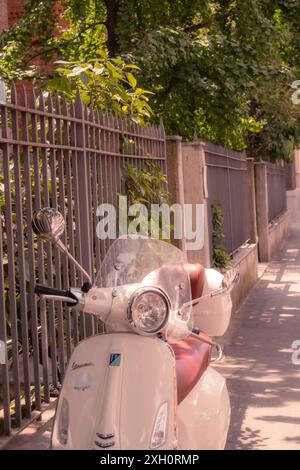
70,157
276,180
227,185
290,175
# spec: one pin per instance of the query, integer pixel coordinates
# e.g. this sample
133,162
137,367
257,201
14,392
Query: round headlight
148,310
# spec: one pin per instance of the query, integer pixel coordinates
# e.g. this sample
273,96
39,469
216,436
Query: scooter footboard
119,392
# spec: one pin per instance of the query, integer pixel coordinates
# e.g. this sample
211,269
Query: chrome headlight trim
145,290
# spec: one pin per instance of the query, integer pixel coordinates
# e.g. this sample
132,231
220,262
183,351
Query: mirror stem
64,249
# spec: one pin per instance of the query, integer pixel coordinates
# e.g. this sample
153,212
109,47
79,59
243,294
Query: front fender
115,385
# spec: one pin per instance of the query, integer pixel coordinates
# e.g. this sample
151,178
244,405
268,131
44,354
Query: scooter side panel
115,385
204,415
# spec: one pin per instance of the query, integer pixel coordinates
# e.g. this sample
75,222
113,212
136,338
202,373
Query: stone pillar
262,210
296,161
175,176
251,197
193,158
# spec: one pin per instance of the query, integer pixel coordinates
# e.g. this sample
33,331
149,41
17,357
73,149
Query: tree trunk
112,7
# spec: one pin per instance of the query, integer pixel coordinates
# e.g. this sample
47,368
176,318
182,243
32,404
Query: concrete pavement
37,435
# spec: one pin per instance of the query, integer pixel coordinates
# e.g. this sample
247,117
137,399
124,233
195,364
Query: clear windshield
146,262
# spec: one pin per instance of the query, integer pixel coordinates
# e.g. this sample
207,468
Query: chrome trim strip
105,445
104,436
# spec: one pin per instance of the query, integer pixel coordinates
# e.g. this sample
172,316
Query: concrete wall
246,261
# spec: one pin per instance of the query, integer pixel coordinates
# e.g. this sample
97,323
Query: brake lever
59,298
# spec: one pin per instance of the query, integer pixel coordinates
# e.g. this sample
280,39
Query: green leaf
132,80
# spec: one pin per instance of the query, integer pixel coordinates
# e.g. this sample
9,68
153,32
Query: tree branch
63,42
203,24
195,27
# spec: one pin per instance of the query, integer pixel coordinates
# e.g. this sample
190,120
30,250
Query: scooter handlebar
40,289
51,293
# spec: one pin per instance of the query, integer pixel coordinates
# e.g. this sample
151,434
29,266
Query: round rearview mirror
48,224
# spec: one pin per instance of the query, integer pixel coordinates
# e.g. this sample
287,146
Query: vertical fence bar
20,240
48,247
61,267
62,139
70,232
83,196
83,185
79,327
93,157
109,164
119,160
99,157
32,299
104,170
87,143
11,268
58,327
3,337
40,251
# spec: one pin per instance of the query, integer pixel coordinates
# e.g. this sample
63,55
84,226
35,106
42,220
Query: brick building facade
12,10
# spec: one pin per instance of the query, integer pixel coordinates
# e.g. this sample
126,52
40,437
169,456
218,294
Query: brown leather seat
196,273
192,359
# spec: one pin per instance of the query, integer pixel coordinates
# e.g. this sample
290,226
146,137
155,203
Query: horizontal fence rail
277,201
65,155
227,186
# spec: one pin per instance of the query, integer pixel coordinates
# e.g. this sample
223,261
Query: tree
77,48
221,68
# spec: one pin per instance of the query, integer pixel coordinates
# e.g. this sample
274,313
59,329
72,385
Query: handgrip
45,290
40,289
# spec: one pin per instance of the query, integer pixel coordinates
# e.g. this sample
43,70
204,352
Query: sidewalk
263,383
37,435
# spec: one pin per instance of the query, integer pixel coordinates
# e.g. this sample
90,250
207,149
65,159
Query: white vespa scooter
146,383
